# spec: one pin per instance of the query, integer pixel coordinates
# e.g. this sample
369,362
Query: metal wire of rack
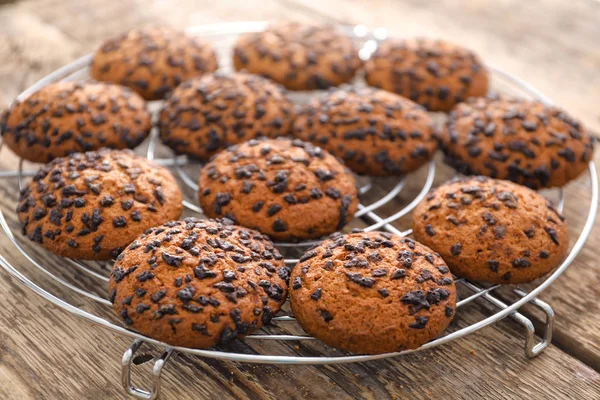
222,36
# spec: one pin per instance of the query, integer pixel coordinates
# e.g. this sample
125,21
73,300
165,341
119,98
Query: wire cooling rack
86,282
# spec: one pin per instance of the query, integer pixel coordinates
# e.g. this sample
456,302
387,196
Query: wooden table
46,353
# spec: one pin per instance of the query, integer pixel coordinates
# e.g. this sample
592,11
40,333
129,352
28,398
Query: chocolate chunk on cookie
372,293
492,230
375,132
286,189
299,56
92,205
526,142
68,117
205,115
198,283
433,73
153,61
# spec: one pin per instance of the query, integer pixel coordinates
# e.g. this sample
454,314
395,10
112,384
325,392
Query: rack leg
531,349
156,372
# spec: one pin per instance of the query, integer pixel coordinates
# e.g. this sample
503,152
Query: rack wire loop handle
156,372
531,348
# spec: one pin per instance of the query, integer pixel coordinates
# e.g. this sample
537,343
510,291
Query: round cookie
523,141
375,132
287,189
68,117
372,293
198,283
153,61
299,56
492,230
433,73
92,205
205,115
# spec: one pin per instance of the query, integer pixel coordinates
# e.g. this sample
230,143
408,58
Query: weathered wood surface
47,353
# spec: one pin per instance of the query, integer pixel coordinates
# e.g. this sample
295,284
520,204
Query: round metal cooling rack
223,36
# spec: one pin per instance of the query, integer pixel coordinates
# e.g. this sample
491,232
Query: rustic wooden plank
34,333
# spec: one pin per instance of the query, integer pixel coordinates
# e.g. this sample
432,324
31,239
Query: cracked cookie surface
523,141
434,73
198,283
67,117
372,293
205,115
153,61
299,56
92,205
285,188
373,131
492,230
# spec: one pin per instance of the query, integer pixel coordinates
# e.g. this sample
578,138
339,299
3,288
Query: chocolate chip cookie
198,283
372,293
523,141
433,73
68,117
92,205
375,132
492,230
287,189
153,61
207,114
299,56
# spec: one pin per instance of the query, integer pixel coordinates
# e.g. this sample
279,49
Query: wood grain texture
47,353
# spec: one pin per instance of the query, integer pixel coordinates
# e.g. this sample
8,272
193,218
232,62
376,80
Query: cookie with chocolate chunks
198,283
299,56
205,115
526,142
287,189
68,117
372,293
92,205
492,230
153,61
433,73
375,132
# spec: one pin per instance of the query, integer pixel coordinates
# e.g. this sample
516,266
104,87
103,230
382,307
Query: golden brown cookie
287,189
433,73
68,117
372,293
92,205
375,132
198,283
153,61
299,56
492,230
205,115
523,141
